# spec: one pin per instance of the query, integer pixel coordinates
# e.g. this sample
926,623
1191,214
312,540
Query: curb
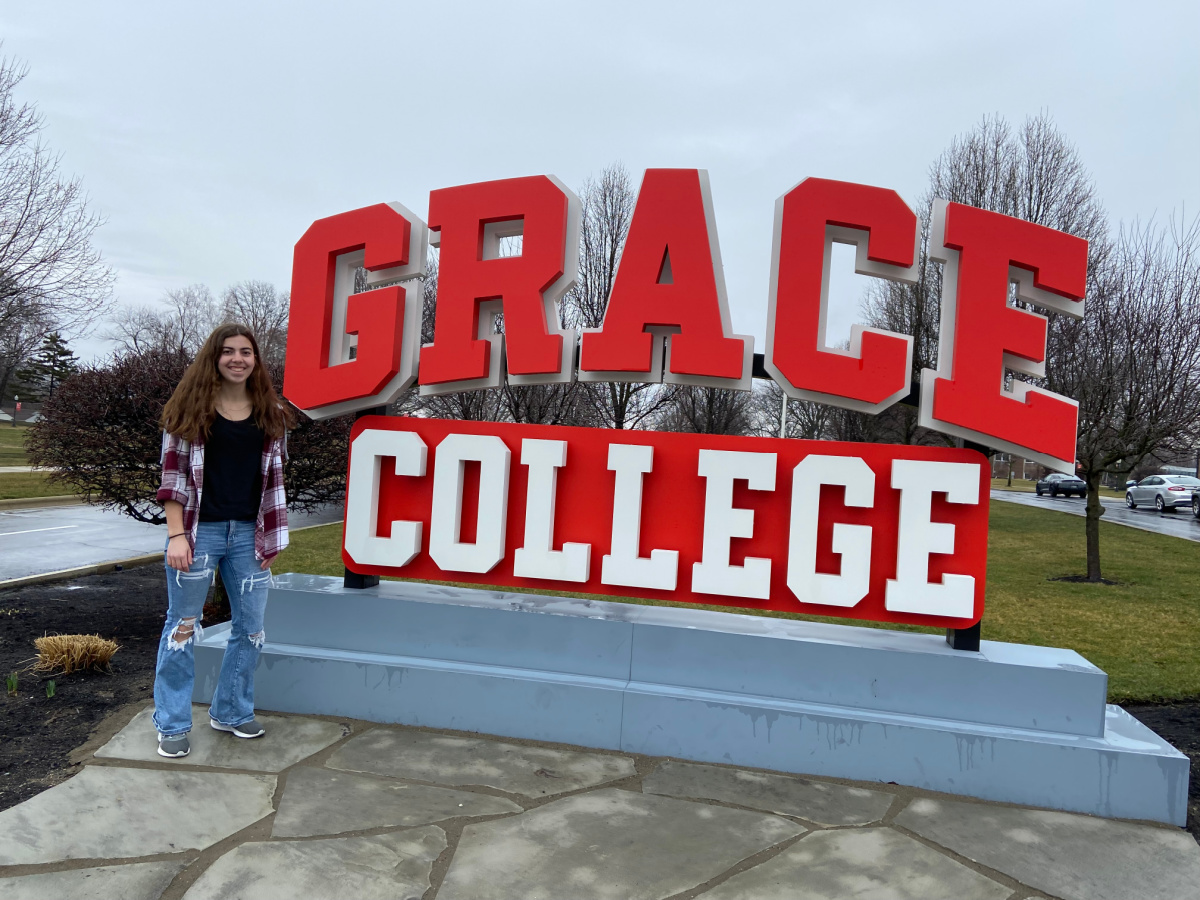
80,571
102,568
36,502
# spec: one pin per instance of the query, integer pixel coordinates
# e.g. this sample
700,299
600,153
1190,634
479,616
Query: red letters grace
668,319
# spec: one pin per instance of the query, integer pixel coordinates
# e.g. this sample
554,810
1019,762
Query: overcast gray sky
212,135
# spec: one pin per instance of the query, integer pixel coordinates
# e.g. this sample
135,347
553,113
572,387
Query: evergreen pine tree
52,364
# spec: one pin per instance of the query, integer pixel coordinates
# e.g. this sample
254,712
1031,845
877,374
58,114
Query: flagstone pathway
322,808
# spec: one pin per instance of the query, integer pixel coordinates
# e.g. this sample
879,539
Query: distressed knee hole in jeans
186,630
258,639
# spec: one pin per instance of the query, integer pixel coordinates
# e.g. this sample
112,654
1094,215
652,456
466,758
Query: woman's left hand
266,563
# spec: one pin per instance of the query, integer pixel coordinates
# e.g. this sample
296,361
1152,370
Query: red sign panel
667,318
864,531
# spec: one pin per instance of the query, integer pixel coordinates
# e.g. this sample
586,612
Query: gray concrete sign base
329,808
1013,723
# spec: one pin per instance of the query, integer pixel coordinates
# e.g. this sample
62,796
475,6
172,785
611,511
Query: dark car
1057,483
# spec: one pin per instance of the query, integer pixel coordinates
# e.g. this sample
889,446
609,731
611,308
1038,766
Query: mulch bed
39,733
1179,724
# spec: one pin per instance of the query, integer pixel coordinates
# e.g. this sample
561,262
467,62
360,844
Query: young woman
222,492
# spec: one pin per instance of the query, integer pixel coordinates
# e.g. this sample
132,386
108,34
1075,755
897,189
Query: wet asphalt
1179,524
49,539
37,541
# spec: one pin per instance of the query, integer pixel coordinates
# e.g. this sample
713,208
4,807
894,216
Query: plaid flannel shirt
183,482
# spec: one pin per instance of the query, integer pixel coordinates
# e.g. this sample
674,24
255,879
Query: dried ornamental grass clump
62,654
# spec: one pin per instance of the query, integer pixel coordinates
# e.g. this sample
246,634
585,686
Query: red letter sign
474,284
669,278
982,335
875,372
348,351
867,531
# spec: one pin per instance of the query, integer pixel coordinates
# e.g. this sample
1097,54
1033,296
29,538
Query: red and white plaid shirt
183,482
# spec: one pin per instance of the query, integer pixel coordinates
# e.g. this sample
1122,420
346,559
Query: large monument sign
862,531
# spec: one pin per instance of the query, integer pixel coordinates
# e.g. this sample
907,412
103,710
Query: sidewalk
328,808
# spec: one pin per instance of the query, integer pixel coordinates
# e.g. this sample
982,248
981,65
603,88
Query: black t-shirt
232,471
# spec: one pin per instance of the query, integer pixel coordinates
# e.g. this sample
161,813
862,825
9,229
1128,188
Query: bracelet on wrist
171,537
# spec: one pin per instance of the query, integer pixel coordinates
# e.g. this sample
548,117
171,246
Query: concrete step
1012,723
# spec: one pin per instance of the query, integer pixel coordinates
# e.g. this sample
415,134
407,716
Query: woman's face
236,361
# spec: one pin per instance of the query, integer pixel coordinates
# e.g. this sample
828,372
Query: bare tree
547,404
808,420
706,410
889,427
805,419
20,336
49,269
181,322
264,309
137,329
607,209
1034,174
1133,362
477,406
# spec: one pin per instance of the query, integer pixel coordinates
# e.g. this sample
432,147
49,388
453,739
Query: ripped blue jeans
229,546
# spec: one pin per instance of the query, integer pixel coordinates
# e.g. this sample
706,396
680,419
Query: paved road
1179,524
35,541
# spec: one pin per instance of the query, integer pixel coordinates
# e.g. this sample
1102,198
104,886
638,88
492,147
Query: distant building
29,413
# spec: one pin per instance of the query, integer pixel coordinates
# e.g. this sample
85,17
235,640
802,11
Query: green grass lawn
22,485
1144,631
12,444
1001,484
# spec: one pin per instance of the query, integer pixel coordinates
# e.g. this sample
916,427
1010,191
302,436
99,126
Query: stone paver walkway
322,808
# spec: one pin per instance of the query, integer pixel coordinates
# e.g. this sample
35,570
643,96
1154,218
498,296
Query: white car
1162,491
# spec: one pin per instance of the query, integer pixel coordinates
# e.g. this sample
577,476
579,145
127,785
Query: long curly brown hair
190,411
